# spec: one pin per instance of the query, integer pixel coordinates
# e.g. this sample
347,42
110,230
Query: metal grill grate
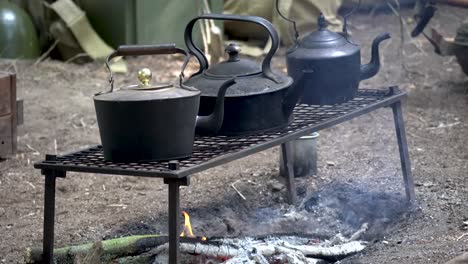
212,149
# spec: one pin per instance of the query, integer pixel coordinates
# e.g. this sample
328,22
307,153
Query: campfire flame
188,227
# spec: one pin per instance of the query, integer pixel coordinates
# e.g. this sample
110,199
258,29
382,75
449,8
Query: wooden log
111,249
228,250
93,257
143,249
335,252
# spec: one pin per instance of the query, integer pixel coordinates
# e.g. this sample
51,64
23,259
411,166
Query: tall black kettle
336,60
261,100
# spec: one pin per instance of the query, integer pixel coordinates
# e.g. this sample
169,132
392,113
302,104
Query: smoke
353,206
336,208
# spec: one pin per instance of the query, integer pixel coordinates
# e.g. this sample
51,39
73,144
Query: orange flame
188,227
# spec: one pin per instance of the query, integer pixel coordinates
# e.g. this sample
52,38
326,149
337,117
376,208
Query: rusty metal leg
49,219
289,170
174,214
403,148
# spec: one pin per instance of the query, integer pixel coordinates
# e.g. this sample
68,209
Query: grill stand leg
403,148
289,170
174,214
49,219
49,211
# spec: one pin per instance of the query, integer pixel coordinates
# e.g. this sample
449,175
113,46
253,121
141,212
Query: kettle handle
139,50
296,33
266,68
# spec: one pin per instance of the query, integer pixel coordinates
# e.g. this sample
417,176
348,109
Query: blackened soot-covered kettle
261,100
148,122
336,60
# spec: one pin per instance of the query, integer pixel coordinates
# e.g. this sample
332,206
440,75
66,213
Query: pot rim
311,136
288,83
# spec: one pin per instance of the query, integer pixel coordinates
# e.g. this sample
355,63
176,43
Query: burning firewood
271,249
253,250
263,250
257,250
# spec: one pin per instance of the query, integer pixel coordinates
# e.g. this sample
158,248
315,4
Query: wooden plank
14,115
5,94
6,139
8,115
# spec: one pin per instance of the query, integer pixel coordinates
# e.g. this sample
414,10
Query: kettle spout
295,92
212,123
371,69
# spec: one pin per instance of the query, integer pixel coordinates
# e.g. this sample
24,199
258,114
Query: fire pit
214,151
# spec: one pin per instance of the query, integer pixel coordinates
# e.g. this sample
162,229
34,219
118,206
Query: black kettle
336,60
153,121
260,101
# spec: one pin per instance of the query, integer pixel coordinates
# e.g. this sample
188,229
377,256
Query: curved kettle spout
371,69
212,123
295,92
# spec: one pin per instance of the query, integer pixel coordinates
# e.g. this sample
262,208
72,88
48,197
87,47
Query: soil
359,177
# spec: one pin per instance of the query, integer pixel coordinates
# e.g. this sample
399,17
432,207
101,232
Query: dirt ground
361,154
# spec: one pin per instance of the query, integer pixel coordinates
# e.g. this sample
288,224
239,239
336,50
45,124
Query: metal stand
210,152
49,215
49,211
174,213
404,154
288,168
402,147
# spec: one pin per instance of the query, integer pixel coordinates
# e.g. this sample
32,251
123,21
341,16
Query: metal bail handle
345,18
139,50
266,68
296,33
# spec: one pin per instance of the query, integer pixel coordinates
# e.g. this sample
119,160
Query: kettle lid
145,91
322,38
234,66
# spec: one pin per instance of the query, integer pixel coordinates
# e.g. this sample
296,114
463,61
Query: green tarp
143,21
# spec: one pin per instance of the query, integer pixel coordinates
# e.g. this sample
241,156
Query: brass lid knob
145,75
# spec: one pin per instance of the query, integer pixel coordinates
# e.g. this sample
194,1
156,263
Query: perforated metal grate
212,151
